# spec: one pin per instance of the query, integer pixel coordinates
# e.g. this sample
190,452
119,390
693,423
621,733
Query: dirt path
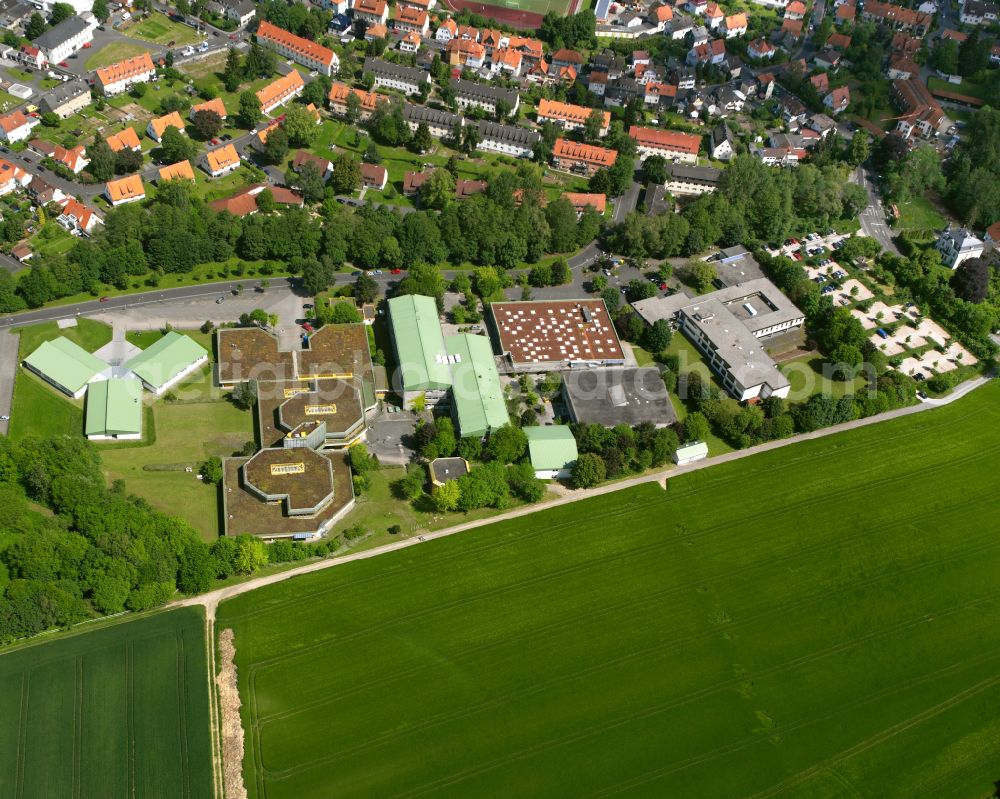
232,727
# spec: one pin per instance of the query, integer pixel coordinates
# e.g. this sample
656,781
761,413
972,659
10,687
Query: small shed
691,452
552,450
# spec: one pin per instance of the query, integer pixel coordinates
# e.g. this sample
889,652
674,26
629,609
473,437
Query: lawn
806,377
113,53
117,711
52,239
88,333
699,641
159,29
981,91
920,214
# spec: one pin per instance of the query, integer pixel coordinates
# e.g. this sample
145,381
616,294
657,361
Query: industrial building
618,396
114,410
167,361
476,395
66,366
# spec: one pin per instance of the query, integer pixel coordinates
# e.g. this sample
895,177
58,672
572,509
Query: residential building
684,180
897,17
367,101
838,100
507,139
323,165
728,326
376,31
410,43
371,12
120,77
465,53
12,177
128,189
484,96
31,56
567,58
311,55
180,171
570,117
77,217
921,115
721,144
958,245
409,80
582,201
583,159
39,190
464,189
65,99
506,62
281,91
411,20
674,146
735,25
902,67
412,181
222,160
16,126
441,124
241,12
67,37
714,16
74,159
158,126
711,52
125,139
796,9
374,176
846,12
552,451
244,202
215,106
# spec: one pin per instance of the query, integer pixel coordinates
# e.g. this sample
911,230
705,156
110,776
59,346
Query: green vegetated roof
165,359
416,333
65,363
114,407
476,393
551,447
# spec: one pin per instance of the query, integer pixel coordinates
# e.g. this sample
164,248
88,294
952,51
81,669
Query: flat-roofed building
114,410
290,411
66,365
543,335
610,397
167,361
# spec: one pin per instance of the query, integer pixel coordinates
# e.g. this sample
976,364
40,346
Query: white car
126,16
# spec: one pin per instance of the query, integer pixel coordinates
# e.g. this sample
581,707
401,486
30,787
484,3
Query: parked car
308,327
104,299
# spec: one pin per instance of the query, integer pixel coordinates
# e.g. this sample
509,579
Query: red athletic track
510,16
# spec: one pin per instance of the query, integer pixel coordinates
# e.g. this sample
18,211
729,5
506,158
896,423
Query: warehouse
167,362
618,396
66,365
562,334
552,450
114,410
419,346
477,401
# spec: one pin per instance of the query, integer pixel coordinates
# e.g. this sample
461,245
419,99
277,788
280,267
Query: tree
507,444
365,288
353,105
232,74
36,26
971,280
345,178
265,202
250,555
211,470
127,161
260,62
561,273
206,124
100,11
699,275
695,427
561,217
656,338
197,568
438,190
944,57
589,470
310,182
421,141
654,169
446,497
973,55
244,395
594,125
168,59
299,125
175,146
249,110
276,146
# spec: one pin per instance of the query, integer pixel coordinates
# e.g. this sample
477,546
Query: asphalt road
873,218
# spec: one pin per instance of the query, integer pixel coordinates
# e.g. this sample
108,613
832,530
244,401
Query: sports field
518,13
820,621
113,713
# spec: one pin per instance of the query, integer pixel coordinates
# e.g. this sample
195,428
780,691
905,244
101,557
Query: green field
113,53
162,30
830,632
120,711
920,214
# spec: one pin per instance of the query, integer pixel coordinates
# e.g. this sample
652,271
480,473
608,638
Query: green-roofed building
114,409
167,361
419,347
65,365
552,450
477,401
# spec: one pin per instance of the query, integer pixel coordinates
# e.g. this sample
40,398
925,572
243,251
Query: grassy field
981,91
688,642
160,29
114,712
113,53
920,214
807,378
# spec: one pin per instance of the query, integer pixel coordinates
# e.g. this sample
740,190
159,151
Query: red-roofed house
846,12
599,202
761,48
680,147
16,126
75,159
712,52
244,202
12,177
795,10
374,176
792,26
584,159
838,100
838,41
821,83
735,25
78,217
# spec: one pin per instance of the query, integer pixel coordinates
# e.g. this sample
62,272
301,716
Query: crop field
819,621
116,712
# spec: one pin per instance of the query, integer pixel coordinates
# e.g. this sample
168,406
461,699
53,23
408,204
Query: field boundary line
130,717
78,729
180,675
22,735
212,599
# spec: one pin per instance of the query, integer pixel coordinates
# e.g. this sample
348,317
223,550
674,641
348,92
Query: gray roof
63,93
706,175
509,134
618,396
431,116
720,134
376,66
483,92
57,34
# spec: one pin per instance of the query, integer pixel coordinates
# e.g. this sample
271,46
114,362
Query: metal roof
65,363
165,359
416,333
476,393
551,447
114,407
